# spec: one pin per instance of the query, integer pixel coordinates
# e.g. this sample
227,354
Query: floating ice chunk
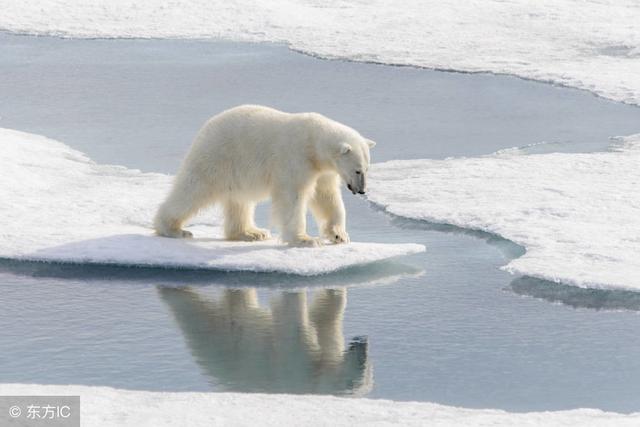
58,205
577,215
589,45
106,407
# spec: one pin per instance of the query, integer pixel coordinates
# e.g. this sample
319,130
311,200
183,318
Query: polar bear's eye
358,172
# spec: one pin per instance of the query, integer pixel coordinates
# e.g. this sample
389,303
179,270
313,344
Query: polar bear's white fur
250,153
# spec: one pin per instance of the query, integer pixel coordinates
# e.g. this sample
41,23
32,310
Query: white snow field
104,407
588,44
577,215
58,205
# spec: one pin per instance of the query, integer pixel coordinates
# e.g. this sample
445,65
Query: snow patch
577,215
58,205
105,407
592,45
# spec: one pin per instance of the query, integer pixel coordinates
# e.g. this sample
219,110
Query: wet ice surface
591,45
109,407
576,214
446,326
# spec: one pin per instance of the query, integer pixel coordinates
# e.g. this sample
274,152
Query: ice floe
58,205
577,215
105,407
592,45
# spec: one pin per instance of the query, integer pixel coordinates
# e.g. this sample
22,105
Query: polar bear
250,153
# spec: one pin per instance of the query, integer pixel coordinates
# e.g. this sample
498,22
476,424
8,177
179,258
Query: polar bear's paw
177,234
252,235
306,242
184,234
336,235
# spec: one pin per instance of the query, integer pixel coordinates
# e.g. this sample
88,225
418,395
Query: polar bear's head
352,163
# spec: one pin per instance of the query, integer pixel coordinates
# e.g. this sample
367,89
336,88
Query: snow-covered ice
592,45
104,407
58,205
577,215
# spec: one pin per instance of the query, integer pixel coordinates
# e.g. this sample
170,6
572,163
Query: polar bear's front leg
328,209
290,214
239,223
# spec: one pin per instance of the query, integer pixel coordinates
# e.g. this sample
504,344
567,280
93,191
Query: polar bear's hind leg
183,203
239,223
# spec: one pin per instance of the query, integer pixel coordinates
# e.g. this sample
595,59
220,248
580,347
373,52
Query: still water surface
446,326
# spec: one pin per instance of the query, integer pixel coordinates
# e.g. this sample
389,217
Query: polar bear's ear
370,143
344,148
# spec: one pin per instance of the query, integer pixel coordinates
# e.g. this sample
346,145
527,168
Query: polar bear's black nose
361,192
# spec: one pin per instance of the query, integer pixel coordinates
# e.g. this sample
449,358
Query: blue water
446,326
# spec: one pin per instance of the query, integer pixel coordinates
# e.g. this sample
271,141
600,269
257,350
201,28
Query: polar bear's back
242,148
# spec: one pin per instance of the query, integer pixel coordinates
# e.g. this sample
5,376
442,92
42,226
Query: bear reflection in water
292,347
